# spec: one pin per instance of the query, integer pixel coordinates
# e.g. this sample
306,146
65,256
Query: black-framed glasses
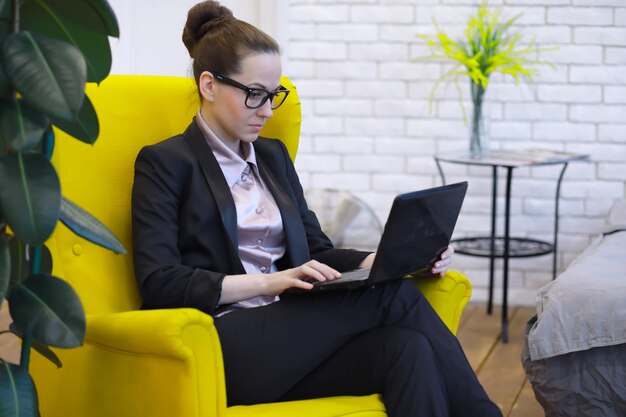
256,97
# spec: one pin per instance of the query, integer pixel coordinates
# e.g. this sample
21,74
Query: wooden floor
498,365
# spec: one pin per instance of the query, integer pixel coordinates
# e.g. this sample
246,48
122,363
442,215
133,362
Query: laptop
418,230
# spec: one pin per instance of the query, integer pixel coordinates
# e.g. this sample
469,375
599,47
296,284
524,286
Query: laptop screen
419,228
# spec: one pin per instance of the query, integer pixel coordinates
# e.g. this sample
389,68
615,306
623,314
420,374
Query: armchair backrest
133,111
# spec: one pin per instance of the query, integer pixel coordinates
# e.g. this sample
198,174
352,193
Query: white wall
150,32
367,128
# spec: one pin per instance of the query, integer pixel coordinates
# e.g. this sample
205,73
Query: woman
220,224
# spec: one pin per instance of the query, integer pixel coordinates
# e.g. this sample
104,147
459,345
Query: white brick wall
368,127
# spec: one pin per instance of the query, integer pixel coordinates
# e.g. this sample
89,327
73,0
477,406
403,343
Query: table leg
492,242
507,233
556,220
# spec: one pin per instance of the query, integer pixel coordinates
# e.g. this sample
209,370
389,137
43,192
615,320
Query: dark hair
217,41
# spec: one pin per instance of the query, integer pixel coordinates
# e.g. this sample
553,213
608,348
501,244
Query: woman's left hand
443,263
368,261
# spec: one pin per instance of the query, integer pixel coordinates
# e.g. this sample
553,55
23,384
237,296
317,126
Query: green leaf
55,20
30,196
49,74
21,126
20,267
5,266
18,395
48,309
488,47
21,261
39,347
85,128
88,227
104,10
95,15
45,351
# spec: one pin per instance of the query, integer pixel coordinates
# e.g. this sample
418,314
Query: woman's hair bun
201,19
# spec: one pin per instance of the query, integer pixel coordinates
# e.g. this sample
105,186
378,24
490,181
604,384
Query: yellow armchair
157,363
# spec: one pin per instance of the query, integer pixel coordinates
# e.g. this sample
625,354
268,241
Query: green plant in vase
490,45
49,49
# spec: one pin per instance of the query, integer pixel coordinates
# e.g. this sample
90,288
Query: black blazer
185,223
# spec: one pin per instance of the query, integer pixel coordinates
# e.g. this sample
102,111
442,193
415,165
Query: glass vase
479,135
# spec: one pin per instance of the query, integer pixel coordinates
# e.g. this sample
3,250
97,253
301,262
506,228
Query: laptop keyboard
354,275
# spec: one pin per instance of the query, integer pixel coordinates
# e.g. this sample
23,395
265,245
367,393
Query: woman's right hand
300,277
242,287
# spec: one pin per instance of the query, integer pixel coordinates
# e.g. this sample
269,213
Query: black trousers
384,339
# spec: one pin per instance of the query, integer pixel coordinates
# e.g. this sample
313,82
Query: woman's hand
368,261
443,263
242,287
300,277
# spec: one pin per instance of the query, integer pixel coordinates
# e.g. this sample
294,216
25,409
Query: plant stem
15,18
25,352
27,340
15,28
48,144
36,261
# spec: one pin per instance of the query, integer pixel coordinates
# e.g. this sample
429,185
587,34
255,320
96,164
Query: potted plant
49,49
490,45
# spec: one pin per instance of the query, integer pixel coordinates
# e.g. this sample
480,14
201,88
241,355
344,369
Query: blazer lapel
217,183
295,235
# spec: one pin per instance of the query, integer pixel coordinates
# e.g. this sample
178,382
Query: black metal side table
505,246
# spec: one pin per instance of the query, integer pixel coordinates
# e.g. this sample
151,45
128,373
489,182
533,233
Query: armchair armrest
448,295
158,363
156,332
